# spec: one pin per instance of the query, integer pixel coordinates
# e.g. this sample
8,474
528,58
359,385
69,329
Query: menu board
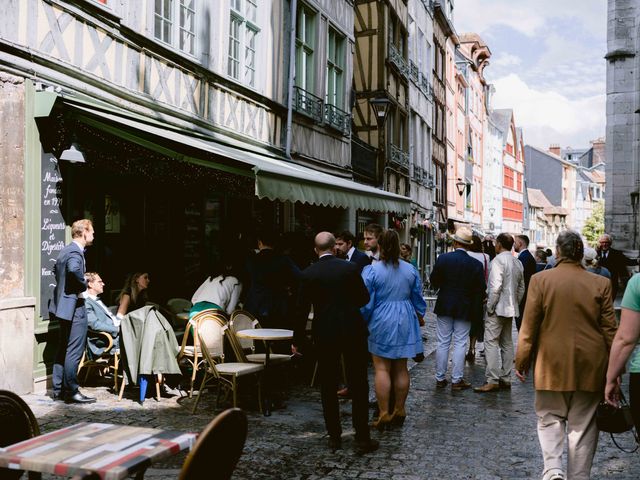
52,230
192,253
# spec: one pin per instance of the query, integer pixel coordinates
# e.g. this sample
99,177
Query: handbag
612,420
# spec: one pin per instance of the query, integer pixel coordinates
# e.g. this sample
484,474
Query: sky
547,64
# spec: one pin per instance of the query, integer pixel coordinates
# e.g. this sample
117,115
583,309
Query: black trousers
634,398
355,354
73,342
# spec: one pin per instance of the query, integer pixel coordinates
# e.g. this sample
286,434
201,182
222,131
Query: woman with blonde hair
134,293
394,314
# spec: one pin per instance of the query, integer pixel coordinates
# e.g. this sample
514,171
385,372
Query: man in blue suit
99,318
68,308
460,279
528,261
345,249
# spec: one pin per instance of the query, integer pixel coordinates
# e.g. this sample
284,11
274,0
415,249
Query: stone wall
621,219
16,344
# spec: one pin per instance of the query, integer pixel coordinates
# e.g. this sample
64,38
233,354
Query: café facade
175,160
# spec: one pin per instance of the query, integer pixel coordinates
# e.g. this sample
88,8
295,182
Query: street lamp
380,106
461,186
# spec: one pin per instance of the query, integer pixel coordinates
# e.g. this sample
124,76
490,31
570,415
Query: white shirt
375,257
350,253
224,293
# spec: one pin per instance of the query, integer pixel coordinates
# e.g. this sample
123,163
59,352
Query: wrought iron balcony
338,119
425,86
398,157
418,172
398,60
308,104
414,72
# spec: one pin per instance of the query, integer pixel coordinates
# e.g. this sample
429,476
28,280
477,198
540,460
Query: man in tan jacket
568,326
506,289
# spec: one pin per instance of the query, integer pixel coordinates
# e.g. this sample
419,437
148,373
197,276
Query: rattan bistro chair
218,449
244,348
18,424
108,360
226,376
208,322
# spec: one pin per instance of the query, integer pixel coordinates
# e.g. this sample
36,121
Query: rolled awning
276,178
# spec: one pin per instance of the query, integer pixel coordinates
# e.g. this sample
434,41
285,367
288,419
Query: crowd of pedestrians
370,305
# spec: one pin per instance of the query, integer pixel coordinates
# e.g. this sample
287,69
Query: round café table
266,335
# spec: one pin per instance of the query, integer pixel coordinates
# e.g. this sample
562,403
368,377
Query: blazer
336,290
506,286
568,326
616,262
529,265
361,259
69,272
460,279
99,321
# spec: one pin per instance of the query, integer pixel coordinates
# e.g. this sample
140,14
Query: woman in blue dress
393,314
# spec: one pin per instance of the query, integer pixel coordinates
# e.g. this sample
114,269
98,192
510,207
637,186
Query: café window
175,24
243,38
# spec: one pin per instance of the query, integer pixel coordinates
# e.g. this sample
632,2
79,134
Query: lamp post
461,186
380,106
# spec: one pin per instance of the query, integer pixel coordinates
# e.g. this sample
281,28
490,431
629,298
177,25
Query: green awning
276,178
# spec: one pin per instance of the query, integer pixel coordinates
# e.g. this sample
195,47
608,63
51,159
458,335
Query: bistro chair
218,448
18,424
244,348
108,360
208,324
225,375
176,306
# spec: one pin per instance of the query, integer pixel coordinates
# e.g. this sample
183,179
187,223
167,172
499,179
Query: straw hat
463,235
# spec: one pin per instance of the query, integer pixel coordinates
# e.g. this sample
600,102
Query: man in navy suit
528,261
336,290
68,308
460,279
99,318
345,249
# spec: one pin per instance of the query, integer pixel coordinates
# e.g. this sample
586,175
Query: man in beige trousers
568,326
506,289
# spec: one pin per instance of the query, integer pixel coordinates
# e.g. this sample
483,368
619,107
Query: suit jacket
529,265
69,272
506,286
568,326
99,321
336,290
460,279
616,262
361,259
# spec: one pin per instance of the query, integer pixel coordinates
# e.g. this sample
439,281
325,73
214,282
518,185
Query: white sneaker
554,474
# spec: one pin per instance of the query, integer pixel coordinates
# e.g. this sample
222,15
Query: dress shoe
335,443
80,398
57,396
442,383
460,385
504,385
365,446
487,387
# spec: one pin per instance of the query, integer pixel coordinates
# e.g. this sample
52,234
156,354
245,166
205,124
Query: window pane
251,13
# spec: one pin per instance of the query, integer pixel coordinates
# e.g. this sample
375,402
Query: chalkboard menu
52,228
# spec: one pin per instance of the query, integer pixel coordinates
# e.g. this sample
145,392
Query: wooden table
266,335
112,451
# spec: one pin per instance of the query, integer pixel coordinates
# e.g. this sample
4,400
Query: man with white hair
615,261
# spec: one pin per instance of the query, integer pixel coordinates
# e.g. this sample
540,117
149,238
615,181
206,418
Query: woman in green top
625,345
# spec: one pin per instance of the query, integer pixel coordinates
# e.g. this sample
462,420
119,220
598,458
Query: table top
183,316
113,451
265,333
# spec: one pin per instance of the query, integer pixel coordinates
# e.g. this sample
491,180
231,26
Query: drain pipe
292,72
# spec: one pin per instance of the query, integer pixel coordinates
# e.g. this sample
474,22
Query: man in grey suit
67,307
99,318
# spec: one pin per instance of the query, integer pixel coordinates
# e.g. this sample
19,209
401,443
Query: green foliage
594,226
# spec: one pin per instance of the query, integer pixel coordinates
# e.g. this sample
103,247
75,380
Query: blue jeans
446,329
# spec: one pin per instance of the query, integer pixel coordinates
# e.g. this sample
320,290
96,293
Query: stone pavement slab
447,435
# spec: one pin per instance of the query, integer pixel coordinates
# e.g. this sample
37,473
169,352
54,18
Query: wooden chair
176,306
218,449
212,334
18,424
225,375
244,348
108,360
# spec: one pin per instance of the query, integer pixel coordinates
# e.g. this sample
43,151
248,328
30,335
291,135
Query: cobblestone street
462,435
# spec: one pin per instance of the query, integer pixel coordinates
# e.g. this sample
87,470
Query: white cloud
504,59
550,117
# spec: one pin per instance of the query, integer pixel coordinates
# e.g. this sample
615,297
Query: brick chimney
598,150
555,149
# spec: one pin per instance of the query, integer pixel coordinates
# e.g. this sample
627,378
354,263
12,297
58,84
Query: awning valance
276,178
